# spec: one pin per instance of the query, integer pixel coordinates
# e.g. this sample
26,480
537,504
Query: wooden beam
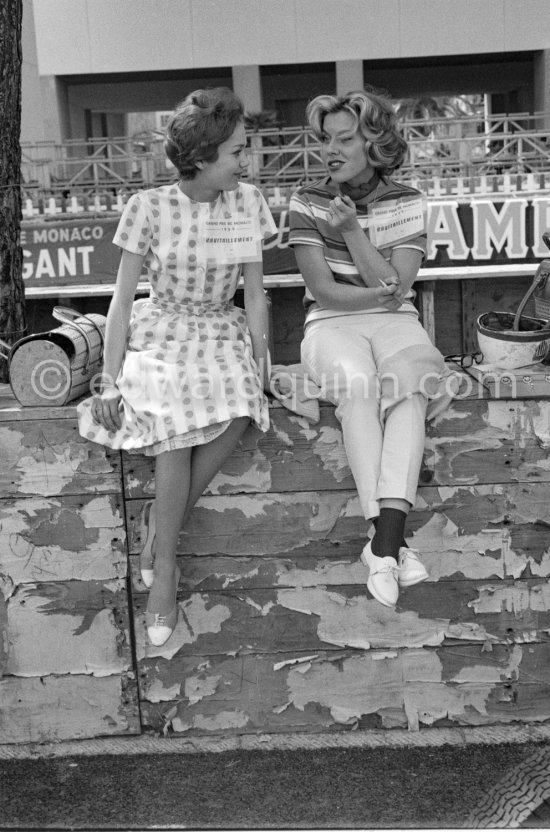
427,307
470,312
285,281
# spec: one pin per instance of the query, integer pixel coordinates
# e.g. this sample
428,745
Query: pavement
172,784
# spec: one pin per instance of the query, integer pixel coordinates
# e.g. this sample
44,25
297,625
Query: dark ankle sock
403,543
388,536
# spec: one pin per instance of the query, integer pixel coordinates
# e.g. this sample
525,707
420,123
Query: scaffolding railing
288,157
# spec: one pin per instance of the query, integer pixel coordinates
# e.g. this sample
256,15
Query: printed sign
231,240
61,252
397,220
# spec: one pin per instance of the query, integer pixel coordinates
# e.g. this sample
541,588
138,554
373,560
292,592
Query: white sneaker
382,581
411,569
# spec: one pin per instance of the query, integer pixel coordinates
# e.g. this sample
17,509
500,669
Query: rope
395,738
14,332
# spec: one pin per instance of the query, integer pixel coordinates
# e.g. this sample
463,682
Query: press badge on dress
397,221
231,240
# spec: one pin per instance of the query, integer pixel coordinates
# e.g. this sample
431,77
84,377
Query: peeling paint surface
194,619
364,623
49,458
269,523
276,628
481,673
404,688
447,552
63,557
43,709
411,682
197,688
156,692
254,476
221,721
515,599
64,640
329,573
61,539
330,447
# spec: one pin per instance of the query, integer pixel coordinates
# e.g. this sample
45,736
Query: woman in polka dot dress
185,370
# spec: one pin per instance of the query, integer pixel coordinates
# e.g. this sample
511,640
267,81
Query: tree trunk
12,292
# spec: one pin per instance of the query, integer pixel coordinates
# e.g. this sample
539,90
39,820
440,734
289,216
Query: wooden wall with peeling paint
276,629
68,670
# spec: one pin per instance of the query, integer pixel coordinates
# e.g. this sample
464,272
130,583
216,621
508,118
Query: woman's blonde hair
199,125
374,117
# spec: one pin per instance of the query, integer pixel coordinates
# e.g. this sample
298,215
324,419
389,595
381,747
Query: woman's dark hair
199,125
374,117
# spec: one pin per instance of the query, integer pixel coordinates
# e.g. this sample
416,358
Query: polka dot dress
188,370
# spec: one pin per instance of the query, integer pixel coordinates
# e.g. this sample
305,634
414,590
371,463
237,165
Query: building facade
88,64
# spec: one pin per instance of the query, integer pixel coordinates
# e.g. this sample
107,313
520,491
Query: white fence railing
503,186
466,150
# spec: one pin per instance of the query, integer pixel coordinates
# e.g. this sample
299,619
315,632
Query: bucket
55,367
512,341
541,295
505,347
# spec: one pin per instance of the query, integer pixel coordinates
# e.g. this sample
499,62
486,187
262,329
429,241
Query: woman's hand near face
343,214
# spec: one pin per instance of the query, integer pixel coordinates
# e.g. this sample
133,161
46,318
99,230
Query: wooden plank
427,307
293,455
524,600
76,627
61,539
473,441
475,532
486,441
51,458
276,281
246,524
469,309
11,410
3,633
448,324
308,618
465,685
483,531
328,566
55,708
288,323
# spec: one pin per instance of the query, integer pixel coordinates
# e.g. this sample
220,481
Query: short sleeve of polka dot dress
188,369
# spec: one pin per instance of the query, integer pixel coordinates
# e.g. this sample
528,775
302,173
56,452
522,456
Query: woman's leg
172,481
403,450
340,360
404,356
206,460
401,459
181,476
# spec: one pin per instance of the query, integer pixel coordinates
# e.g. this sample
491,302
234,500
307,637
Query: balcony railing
440,149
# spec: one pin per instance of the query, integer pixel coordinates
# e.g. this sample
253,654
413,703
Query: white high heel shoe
160,627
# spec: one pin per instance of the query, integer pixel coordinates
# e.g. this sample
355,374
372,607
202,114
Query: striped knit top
393,215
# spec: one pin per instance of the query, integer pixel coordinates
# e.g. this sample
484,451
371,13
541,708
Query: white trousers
373,367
